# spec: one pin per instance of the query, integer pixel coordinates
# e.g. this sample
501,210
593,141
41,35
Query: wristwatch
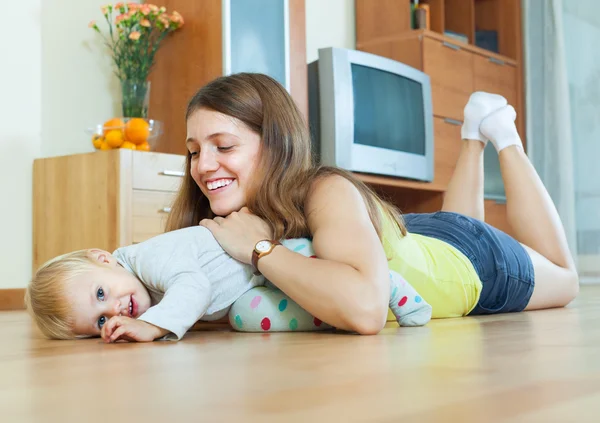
261,249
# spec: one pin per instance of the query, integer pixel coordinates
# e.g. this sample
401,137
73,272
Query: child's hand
128,329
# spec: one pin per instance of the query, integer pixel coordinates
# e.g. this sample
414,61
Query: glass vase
135,98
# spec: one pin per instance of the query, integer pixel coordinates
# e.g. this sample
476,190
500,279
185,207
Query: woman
249,177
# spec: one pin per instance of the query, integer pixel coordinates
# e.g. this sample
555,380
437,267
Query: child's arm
186,299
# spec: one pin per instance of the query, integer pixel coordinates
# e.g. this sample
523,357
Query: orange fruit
143,147
128,145
97,140
115,123
114,138
104,146
137,130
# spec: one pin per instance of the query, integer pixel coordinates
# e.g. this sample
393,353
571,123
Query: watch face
263,246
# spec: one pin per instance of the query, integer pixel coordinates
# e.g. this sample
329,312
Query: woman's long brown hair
285,171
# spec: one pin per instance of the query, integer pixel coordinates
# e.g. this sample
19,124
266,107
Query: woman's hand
131,330
238,233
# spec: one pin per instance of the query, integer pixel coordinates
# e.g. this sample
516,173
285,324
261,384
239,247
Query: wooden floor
527,367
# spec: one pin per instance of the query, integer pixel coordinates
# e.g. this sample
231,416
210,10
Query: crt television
371,114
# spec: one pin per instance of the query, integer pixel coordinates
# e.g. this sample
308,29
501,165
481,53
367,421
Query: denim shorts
503,265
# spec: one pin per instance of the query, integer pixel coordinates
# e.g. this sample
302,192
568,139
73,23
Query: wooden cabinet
105,199
495,75
451,71
495,215
447,149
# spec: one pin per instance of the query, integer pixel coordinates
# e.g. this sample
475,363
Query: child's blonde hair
46,299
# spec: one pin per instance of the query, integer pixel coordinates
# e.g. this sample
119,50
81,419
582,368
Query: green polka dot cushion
267,309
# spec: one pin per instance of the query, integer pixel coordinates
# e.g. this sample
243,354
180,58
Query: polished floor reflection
529,367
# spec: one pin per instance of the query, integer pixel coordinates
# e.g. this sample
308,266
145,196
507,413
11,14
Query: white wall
55,80
20,139
79,87
329,23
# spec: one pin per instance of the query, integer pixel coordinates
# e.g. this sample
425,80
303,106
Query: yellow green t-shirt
439,272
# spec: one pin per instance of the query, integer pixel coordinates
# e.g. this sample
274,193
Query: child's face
99,294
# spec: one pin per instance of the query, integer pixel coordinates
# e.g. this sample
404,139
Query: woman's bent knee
572,289
554,286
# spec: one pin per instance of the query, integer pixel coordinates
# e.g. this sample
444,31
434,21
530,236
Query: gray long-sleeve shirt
189,277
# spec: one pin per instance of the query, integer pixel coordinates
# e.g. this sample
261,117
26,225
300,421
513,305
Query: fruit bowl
132,133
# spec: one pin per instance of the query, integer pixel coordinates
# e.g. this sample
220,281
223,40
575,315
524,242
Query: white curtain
562,62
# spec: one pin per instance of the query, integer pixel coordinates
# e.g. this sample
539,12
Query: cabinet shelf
440,37
500,18
391,182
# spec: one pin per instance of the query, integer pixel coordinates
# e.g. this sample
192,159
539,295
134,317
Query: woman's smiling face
224,152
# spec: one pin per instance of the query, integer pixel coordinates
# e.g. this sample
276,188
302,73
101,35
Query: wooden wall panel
298,67
12,299
381,18
188,59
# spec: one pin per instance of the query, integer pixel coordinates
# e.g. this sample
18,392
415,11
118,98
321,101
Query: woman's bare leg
532,215
465,189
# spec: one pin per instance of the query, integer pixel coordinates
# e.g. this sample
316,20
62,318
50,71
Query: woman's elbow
369,320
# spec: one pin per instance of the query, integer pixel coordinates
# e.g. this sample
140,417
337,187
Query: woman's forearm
334,292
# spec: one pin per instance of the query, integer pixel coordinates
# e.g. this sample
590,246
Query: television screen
388,110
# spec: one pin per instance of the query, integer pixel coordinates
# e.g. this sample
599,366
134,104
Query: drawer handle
497,61
452,46
165,210
172,173
453,121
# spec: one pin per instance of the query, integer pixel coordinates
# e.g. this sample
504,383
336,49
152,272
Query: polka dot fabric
408,306
267,309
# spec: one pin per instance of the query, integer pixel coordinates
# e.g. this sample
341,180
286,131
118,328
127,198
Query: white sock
480,105
499,127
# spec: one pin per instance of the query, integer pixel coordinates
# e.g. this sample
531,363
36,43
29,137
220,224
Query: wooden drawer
451,71
495,215
150,210
447,148
496,77
155,171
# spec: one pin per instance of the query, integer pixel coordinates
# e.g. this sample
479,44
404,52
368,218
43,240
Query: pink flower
164,20
177,18
145,23
119,18
119,6
145,10
133,6
135,35
92,24
105,10
153,8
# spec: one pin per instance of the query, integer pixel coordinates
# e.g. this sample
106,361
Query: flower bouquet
135,33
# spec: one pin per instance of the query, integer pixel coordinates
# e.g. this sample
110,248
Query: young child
161,287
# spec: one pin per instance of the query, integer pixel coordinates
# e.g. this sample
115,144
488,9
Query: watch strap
256,255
